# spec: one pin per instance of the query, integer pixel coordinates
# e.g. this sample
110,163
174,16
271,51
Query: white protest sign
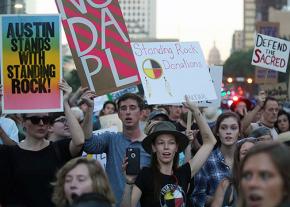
216,73
171,70
102,158
111,120
271,53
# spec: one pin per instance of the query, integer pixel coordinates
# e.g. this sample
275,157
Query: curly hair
99,178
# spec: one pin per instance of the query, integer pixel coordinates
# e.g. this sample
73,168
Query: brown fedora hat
165,127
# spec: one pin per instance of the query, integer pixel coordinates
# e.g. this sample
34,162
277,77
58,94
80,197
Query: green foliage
239,64
72,78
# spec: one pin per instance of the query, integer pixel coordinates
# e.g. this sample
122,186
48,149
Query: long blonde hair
99,178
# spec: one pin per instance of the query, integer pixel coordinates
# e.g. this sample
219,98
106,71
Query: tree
239,64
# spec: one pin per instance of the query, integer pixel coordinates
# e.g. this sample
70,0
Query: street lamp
230,80
249,80
12,7
18,6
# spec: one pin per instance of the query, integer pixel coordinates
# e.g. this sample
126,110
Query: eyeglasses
36,119
62,120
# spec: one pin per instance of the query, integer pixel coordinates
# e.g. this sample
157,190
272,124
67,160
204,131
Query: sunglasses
36,119
62,120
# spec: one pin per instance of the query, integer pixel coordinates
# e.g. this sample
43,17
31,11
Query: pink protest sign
100,45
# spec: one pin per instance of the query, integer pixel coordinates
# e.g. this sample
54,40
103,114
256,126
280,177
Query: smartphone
133,166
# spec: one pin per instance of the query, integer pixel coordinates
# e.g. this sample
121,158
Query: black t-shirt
181,128
31,172
173,190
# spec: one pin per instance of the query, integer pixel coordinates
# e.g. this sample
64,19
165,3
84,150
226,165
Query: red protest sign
100,45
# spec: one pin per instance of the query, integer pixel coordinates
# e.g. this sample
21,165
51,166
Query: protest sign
271,53
171,70
263,75
99,42
31,63
111,120
216,73
278,91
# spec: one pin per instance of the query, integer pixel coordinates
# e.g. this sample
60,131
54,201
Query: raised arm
87,124
249,117
77,133
132,193
76,96
208,138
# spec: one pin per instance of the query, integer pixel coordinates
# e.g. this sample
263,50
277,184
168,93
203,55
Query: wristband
129,183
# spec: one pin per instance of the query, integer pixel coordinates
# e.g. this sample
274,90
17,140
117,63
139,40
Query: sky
205,21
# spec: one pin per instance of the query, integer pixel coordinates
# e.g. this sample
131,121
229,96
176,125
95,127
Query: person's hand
189,104
130,179
65,87
261,98
242,111
88,97
219,195
190,135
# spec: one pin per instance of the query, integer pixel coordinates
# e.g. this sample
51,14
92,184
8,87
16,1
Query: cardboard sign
171,70
31,63
99,42
111,120
263,75
278,91
271,53
216,73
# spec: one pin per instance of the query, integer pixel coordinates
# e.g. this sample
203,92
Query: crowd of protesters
188,156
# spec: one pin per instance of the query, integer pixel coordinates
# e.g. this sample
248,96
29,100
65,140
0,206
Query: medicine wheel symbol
152,69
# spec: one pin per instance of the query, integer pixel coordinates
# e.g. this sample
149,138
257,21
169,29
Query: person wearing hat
154,116
262,134
165,183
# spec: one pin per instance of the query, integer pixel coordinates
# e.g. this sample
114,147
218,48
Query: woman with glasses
58,127
31,165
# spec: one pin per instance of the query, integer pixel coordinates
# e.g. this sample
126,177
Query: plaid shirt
208,178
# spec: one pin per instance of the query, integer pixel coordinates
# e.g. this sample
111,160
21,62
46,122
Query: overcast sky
204,21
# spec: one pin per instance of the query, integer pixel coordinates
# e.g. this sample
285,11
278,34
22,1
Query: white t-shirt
10,128
272,130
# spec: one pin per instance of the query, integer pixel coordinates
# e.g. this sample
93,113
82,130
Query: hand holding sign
261,98
65,87
88,97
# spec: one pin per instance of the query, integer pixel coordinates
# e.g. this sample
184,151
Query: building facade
214,57
283,17
237,41
249,23
12,6
257,10
140,17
